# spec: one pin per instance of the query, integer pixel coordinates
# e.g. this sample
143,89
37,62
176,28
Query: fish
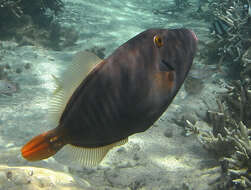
220,27
7,87
98,103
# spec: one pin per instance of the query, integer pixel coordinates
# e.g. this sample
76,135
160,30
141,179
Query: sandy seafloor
161,158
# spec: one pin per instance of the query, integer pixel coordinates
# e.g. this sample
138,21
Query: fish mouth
194,35
168,66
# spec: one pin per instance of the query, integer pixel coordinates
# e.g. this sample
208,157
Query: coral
182,4
218,144
234,153
99,51
230,35
229,134
191,129
228,138
11,11
69,36
214,135
33,22
238,100
246,64
235,22
238,165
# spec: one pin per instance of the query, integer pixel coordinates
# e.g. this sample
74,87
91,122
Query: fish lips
194,35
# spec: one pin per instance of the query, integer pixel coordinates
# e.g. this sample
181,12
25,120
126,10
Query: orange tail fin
43,146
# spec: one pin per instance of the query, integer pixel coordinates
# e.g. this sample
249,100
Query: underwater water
181,150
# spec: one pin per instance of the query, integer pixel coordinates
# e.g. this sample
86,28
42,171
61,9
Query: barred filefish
121,95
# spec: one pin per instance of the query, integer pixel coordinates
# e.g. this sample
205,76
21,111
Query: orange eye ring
158,41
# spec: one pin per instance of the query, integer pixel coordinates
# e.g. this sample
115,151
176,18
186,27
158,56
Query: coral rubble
12,12
228,134
230,24
232,146
34,23
231,28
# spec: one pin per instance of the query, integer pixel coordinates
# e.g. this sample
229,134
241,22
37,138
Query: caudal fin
43,146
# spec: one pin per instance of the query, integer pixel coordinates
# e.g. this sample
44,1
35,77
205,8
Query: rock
27,66
193,85
168,133
18,70
8,45
121,150
7,66
99,51
16,178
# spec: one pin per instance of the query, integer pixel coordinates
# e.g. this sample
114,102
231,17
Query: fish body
122,95
7,87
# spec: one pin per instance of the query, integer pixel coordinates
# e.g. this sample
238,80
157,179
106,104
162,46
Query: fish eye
158,41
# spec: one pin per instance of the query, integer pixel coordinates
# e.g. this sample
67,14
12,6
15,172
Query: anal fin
89,157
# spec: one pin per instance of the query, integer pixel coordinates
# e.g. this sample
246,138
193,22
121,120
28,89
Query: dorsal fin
82,63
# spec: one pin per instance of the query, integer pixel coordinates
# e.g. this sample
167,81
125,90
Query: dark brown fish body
127,92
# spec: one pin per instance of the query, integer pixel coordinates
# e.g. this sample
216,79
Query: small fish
7,87
122,95
220,27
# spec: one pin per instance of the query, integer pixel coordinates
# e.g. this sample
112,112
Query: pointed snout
194,35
